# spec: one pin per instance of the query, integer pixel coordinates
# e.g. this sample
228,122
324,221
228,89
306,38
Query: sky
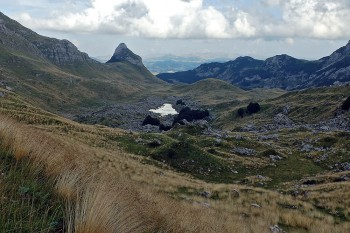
308,29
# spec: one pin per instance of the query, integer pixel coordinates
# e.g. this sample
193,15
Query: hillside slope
280,71
55,75
190,179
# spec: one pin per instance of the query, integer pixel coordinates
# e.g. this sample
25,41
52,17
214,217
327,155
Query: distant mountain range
172,63
280,71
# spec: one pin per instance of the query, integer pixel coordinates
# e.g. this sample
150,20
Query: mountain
281,71
122,53
171,63
56,76
59,52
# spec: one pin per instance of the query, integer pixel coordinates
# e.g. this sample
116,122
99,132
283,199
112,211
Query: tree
151,121
180,102
346,105
190,115
253,108
164,127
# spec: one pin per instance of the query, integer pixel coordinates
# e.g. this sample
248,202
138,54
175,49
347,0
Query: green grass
27,199
295,167
180,153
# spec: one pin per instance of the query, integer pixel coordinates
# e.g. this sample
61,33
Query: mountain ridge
280,71
56,76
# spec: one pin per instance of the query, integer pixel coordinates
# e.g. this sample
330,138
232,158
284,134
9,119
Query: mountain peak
122,53
120,48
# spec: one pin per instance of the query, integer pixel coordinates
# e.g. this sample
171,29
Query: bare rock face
122,53
61,52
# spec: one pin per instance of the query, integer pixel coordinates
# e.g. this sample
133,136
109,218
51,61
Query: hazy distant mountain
172,63
280,71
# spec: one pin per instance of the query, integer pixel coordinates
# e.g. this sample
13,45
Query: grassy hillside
63,90
305,107
214,92
35,67
109,180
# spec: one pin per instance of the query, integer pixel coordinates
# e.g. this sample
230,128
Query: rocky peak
279,61
122,53
337,55
120,48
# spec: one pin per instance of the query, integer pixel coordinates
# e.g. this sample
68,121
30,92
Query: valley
80,146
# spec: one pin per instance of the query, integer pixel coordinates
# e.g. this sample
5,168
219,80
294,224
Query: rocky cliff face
280,71
122,53
60,52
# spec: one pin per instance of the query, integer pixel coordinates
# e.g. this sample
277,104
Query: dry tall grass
95,201
107,190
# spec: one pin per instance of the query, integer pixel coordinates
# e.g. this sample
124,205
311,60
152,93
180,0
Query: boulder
205,194
276,229
244,151
282,120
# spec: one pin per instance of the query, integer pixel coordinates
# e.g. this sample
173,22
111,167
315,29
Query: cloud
321,19
148,18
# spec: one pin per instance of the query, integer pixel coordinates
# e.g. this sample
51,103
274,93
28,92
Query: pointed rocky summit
122,53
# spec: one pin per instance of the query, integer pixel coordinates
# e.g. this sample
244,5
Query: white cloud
289,41
148,18
321,19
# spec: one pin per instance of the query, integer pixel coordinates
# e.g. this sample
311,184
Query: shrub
164,127
190,115
253,108
346,105
151,121
240,112
180,102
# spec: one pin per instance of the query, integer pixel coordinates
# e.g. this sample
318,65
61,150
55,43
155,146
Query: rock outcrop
122,53
59,52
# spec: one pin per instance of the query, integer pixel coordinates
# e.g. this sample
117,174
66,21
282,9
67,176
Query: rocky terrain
129,116
280,71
